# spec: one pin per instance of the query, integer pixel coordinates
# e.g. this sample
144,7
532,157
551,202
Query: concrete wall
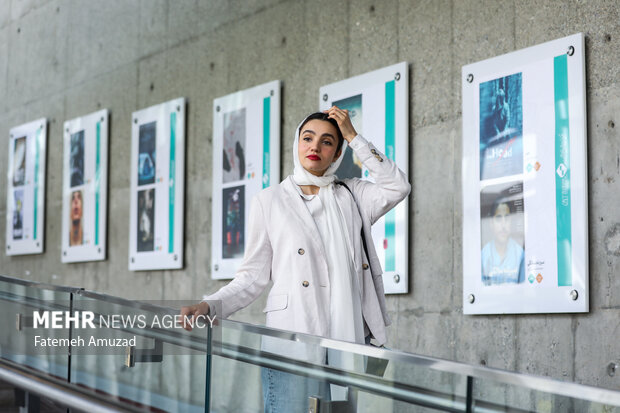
65,58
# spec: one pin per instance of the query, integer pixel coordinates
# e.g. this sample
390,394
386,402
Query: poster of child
502,234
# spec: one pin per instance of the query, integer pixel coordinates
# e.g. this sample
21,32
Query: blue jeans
288,393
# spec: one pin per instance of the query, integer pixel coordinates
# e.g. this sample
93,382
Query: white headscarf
345,297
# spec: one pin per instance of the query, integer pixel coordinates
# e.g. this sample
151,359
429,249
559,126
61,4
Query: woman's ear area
337,155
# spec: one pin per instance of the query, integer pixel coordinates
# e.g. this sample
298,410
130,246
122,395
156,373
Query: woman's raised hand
193,311
341,116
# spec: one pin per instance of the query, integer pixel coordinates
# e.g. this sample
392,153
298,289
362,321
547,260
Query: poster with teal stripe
25,203
156,217
246,160
525,181
377,104
85,177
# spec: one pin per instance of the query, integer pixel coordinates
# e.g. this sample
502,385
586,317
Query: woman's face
318,141
76,205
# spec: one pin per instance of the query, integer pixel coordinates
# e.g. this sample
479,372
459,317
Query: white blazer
284,246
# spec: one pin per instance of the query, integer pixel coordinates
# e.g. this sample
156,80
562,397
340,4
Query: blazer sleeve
390,187
253,275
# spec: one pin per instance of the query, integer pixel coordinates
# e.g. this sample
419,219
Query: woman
305,235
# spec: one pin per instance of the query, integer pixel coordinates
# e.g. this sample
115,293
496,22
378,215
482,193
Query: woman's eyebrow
325,135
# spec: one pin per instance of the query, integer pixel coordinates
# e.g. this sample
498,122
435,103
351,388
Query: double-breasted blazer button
305,283
301,251
365,266
373,151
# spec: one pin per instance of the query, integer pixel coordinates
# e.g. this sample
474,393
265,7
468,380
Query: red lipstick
313,158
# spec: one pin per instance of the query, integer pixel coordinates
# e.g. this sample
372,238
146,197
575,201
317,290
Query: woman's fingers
345,124
187,316
337,113
190,313
341,116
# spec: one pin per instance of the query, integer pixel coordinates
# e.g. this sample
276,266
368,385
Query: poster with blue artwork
501,127
524,181
146,157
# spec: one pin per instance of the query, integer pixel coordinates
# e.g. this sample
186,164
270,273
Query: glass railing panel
235,385
491,395
41,347
138,355
367,403
372,379
592,407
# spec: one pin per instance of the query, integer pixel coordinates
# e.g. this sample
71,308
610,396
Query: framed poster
525,226
25,198
85,188
378,105
246,159
157,187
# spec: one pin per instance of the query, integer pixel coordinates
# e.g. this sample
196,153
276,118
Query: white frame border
562,301
394,282
36,245
161,113
222,269
88,124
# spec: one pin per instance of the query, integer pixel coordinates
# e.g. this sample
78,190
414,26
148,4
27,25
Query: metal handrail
140,305
35,284
61,392
32,302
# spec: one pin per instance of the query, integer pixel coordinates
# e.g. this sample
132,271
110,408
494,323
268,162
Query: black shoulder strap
360,212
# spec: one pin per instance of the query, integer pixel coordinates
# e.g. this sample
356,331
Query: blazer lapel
301,211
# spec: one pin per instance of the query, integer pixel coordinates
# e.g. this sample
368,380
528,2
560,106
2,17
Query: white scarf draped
346,322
